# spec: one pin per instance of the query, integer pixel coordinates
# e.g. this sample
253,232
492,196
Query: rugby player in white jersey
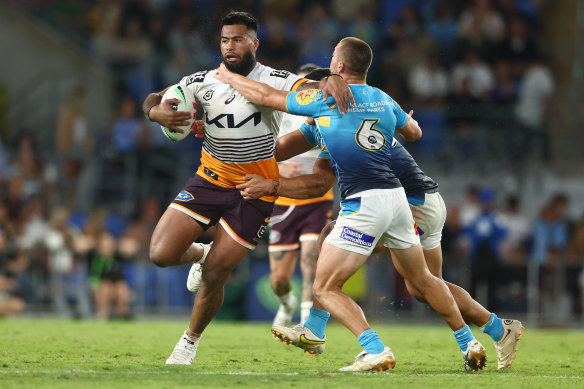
239,140
374,205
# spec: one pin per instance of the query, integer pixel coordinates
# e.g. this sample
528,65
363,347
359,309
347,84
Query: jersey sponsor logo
275,236
211,173
230,99
280,73
208,95
184,196
197,77
418,230
357,237
306,96
256,116
261,231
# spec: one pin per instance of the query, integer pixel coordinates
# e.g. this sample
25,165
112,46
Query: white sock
285,298
305,310
193,339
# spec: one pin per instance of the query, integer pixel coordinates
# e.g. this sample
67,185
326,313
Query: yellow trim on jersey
324,121
297,84
287,201
230,174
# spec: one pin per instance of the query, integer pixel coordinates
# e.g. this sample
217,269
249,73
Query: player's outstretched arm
300,187
254,91
290,145
163,114
411,131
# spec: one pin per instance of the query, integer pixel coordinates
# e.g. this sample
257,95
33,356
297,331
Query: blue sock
494,328
463,336
316,321
371,342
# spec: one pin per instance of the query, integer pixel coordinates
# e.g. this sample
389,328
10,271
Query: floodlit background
496,85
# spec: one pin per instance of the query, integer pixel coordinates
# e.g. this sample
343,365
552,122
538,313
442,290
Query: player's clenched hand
340,91
164,115
223,74
255,187
198,128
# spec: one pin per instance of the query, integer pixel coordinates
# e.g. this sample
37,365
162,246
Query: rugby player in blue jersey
374,208
429,213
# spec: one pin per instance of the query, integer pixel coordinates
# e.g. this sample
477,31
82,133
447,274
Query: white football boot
301,337
196,271
184,352
365,361
285,312
475,356
506,346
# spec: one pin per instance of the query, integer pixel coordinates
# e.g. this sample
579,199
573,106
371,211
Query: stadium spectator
518,47
474,74
67,274
505,89
517,225
532,108
428,82
74,143
129,132
550,241
486,233
481,25
107,280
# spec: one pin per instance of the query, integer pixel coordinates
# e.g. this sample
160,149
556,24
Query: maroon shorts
244,220
293,224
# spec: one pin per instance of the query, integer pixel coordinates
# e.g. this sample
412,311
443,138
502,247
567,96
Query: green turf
54,354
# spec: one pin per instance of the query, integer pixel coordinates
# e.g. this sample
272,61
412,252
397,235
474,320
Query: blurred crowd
76,216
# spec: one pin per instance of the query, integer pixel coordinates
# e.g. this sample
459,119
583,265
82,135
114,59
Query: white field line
256,373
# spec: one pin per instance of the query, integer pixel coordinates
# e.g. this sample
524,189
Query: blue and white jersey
359,142
416,184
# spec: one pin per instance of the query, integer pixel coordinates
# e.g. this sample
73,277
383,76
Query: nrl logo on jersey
208,95
280,73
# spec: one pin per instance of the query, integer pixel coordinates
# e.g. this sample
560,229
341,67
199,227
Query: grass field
65,354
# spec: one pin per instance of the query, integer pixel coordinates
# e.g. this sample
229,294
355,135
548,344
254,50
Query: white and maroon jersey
291,123
240,137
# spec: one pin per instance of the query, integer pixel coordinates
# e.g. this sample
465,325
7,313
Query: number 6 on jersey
368,137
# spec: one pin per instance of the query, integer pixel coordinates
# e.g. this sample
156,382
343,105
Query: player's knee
159,258
320,289
279,280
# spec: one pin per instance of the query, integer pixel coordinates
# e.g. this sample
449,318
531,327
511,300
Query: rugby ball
186,103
